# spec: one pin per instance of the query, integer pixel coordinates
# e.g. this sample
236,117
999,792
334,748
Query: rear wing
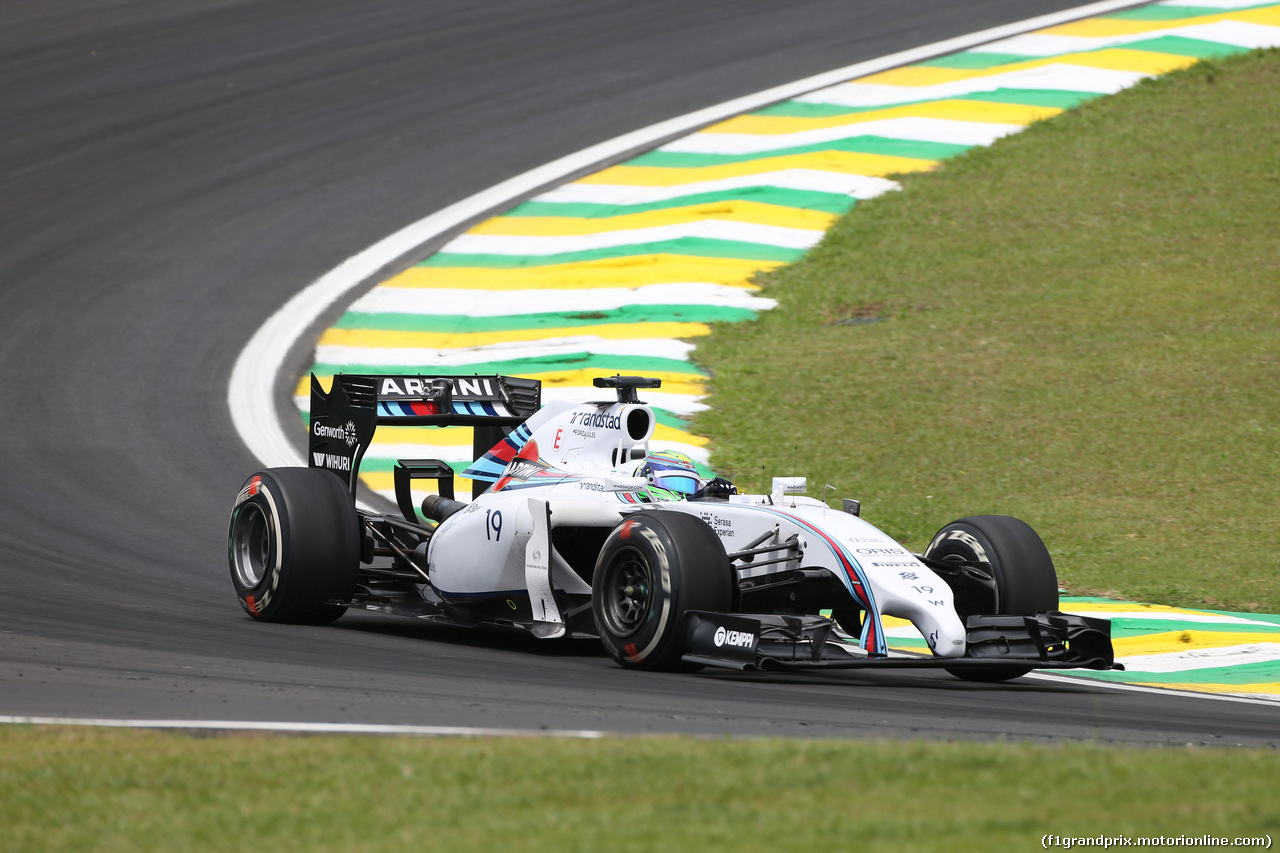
344,418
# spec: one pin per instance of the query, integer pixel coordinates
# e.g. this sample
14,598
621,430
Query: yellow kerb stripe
461,436
1104,27
1129,607
384,481
462,340
450,437
842,162
1268,689
979,111
630,271
1114,59
1183,641
672,383
1122,59
662,432
727,211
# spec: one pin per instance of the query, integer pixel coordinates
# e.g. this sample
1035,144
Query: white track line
305,728
250,393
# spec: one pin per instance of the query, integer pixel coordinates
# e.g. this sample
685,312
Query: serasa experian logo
741,639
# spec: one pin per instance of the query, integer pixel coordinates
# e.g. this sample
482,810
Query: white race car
578,528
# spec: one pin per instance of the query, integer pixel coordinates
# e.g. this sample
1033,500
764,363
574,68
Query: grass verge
1078,326
85,789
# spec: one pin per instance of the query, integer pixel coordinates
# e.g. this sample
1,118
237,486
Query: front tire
1026,581
293,546
654,567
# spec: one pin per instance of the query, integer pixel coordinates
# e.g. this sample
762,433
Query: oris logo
741,639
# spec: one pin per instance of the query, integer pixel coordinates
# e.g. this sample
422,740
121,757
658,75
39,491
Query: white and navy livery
562,538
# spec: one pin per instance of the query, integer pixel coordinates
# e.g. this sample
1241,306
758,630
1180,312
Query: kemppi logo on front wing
740,639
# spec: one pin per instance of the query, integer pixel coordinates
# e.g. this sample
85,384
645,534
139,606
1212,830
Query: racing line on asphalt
614,272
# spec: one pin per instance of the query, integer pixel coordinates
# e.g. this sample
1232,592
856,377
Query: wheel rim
628,589
251,545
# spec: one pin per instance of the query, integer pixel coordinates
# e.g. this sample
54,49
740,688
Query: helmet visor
676,481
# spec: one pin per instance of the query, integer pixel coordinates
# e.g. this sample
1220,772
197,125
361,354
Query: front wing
1049,640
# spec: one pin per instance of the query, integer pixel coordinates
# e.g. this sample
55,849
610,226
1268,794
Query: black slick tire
293,546
654,567
1026,581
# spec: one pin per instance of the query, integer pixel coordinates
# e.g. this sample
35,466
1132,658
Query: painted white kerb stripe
250,394
307,728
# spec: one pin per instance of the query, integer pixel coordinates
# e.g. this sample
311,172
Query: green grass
1078,326
78,789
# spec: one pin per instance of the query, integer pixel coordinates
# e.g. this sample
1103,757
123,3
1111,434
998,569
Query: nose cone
946,635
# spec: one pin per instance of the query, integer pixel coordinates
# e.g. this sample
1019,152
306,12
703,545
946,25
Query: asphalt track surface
172,172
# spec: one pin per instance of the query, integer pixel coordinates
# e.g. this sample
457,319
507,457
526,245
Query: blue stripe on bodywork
872,639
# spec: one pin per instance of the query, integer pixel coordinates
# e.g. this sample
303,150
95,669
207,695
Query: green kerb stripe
856,145
661,415
969,60
1121,627
463,323
1180,46
799,109
1061,98
1250,673
525,366
670,420
693,246
384,464
1176,45
836,203
1171,13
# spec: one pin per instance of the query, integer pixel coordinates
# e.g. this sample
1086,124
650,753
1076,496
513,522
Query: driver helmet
672,471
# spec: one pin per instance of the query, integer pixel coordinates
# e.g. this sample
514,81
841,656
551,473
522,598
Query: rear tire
293,545
654,567
1026,581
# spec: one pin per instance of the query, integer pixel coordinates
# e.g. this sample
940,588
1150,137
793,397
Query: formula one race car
577,528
